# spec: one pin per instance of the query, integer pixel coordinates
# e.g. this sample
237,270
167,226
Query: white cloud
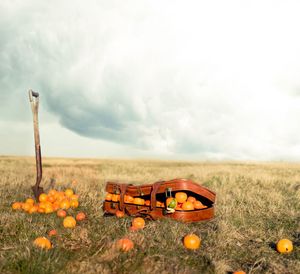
199,79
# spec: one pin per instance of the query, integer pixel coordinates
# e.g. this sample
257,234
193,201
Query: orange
199,205
59,196
65,204
52,232
74,203
42,205
55,206
33,209
16,206
50,199
45,204
138,222
191,199
42,242
125,244
43,197
69,192
191,241
188,206
147,203
69,222
239,272
181,197
120,213
160,204
128,199
138,201
284,246
74,197
52,192
29,201
26,207
80,216
61,213
115,197
41,210
133,229
178,207
48,209
108,197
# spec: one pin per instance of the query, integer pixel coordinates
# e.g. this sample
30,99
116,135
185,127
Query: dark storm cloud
127,73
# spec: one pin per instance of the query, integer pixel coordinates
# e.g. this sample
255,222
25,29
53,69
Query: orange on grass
33,209
284,246
48,209
51,199
43,197
69,222
188,206
52,192
26,206
125,244
181,197
69,192
74,203
59,196
45,204
29,201
138,222
61,213
16,206
138,201
55,206
120,213
191,199
74,197
64,204
199,205
133,229
239,272
80,216
191,241
41,210
52,232
108,197
42,242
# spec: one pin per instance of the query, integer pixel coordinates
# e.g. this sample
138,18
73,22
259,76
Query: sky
190,80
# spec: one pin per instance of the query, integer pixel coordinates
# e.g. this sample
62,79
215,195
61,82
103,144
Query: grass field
257,204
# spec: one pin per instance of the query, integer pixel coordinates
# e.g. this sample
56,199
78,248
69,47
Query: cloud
172,78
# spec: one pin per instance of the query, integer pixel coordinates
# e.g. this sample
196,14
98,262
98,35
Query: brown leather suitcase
155,194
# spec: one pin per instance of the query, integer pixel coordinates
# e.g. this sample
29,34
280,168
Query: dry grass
257,204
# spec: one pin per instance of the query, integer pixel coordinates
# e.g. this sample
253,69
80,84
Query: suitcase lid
161,187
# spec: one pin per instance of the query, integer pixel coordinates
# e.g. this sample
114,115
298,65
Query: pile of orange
49,202
128,199
185,202
53,201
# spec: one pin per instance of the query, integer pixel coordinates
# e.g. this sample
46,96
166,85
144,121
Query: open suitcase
150,200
